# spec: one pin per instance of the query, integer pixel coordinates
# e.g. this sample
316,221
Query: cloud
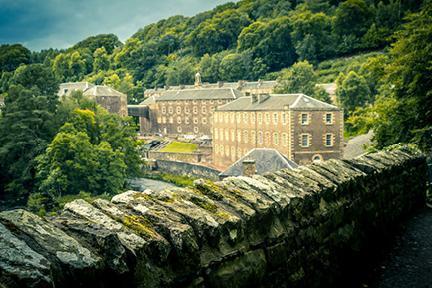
40,24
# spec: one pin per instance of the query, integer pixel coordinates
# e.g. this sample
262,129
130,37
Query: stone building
184,111
298,126
109,98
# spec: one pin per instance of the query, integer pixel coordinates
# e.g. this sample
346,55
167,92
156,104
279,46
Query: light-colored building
109,98
298,126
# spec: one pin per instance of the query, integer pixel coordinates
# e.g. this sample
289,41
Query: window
187,120
245,117
216,134
233,154
267,138
226,134
178,109
159,120
317,158
245,136
211,101
304,119
163,110
284,118
239,136
284,139
238,118
252,118
179,120
196,129
221,150
170,110
187,110
328,140
275,138
239,153
179,129
260,137
275,118
221,134
194,102
204,110
195,120
171,120
227,150
226,115
216,149
195,110
305,141
260,118
232,117
164,120
253,137
267,118
329,118
212,108
204,121
219,101
232,135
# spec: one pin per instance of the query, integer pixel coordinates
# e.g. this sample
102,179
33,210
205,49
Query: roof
149,100
272,102
101,90
266,160
67,88
199,93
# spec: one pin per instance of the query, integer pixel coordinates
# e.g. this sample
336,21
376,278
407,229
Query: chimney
220,84
254,98
262,97
249,167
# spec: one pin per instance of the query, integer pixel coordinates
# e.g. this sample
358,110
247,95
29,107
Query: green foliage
178,180
404,104
101,60
321,94
300,78
352,91
11,56
179,147
107,41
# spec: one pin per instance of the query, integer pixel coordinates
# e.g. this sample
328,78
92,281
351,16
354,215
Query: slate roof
100,90
274,102
199,94
67,88
266,160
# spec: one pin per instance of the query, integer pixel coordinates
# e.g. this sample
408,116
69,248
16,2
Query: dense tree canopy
11,56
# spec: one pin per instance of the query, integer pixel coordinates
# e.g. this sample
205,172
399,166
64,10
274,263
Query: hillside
249,39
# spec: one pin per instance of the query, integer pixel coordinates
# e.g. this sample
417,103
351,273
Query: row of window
267,138
180,120
187,102
306,139
180,129
266,117
227,151
186,109
245,136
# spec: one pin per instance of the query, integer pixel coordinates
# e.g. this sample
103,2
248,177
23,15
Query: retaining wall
294,228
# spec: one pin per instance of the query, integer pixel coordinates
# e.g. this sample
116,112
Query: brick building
109,98
300,127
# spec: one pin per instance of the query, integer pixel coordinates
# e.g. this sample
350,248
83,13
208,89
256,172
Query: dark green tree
11,56
352,91
300,78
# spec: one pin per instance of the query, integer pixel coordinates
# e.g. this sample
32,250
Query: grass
179,147
178,180
329,70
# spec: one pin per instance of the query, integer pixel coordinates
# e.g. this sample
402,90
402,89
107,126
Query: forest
378,52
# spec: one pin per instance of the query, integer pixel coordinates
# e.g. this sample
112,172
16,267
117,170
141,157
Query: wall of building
316,129
309,227
196,157
114,104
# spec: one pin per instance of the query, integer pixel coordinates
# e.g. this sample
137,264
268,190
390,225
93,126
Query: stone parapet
293,228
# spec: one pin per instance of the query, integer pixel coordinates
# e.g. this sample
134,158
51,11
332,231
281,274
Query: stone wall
187,169
294,228
195,157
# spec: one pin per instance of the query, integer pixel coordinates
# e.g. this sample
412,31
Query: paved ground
140,184
409,261
355,146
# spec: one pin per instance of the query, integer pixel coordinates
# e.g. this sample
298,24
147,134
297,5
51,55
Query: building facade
185,111
300,127
107,97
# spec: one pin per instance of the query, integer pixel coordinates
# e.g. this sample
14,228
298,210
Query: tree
352,91
300,78
321,94
404,105
26,127
101,60
39,76
107,41
11,56
352,17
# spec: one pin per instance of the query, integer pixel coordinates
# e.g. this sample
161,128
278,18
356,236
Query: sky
42,24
